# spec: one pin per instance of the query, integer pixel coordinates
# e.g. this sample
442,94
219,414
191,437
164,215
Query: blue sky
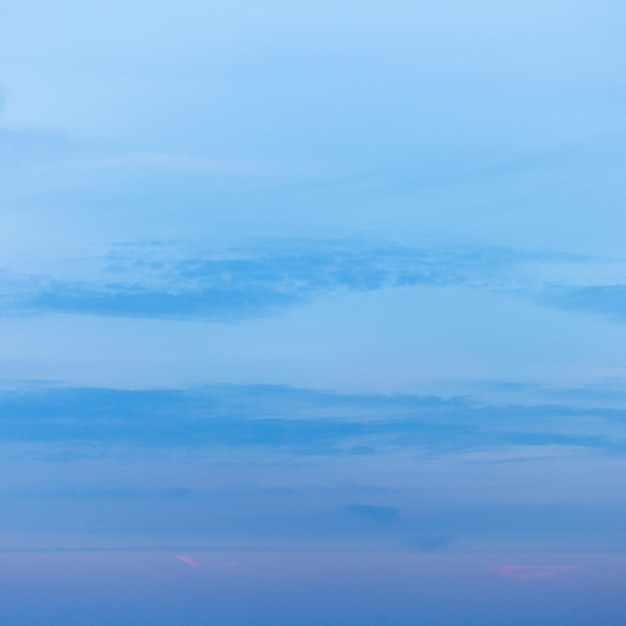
298,297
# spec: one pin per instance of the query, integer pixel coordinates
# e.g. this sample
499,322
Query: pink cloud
230,567
531,572
187,560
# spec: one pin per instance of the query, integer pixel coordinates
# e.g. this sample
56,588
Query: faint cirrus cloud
230,567
517,571
187,560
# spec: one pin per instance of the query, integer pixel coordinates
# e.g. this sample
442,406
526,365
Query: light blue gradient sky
308,283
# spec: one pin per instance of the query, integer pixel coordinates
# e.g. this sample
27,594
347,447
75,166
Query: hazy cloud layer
309,421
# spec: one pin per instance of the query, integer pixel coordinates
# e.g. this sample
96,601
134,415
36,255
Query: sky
312,313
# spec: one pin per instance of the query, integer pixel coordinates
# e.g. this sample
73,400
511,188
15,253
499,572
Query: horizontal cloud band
241,285
285,418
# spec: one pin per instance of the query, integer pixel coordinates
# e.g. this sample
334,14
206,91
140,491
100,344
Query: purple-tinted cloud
230,567
187,560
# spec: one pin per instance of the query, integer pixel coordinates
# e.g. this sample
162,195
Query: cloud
429,543
307,421
187,560
608,301
177,162
531,572
121,493
240,284
122,301
22,146
374,513
231,567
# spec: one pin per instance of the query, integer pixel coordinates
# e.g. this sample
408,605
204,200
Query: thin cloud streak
532,572
187,560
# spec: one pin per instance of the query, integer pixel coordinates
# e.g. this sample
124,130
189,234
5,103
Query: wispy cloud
608,301
531,572
239,284
187,560
166,161
231,567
